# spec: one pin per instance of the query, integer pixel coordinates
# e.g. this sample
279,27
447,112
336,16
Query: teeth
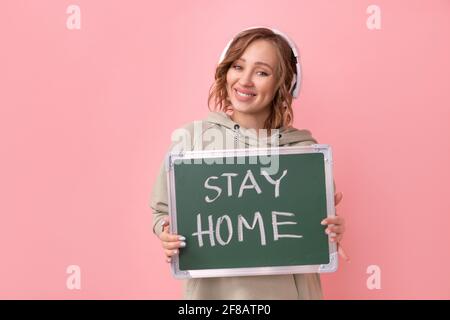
244,94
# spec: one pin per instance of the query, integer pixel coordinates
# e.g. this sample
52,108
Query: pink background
86,116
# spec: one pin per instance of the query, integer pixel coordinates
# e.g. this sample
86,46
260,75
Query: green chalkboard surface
240,217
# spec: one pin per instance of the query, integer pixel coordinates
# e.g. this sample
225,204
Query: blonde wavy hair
281,114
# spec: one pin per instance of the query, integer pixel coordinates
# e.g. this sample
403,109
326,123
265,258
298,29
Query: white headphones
295,84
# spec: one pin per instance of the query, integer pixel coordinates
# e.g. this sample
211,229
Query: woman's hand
170,242
336,227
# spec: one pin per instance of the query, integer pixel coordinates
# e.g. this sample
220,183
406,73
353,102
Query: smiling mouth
244,94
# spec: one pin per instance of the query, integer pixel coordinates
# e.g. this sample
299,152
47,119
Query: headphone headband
296,81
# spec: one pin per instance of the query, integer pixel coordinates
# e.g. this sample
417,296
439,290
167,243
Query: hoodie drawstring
236,135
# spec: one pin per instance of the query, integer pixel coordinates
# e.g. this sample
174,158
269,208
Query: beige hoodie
293,286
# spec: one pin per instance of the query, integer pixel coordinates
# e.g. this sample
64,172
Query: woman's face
251,79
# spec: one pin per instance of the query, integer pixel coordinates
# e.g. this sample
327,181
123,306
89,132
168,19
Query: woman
255,81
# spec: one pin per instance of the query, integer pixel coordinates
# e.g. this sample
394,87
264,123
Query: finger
337,198
343,254
171,253
333,220
169,237
165,235
337,229
173,245
168,260
336,238
165,224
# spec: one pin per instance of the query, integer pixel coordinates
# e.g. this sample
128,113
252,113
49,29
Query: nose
246,79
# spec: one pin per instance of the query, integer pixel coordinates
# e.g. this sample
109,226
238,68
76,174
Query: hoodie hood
286,135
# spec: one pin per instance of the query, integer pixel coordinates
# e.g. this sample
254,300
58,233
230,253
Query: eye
236,66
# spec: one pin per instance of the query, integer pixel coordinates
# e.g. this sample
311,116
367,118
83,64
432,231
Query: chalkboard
252,211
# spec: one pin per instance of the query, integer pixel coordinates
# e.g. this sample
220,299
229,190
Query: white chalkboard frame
252,271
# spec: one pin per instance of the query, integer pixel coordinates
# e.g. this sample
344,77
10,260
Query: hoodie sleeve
159,198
